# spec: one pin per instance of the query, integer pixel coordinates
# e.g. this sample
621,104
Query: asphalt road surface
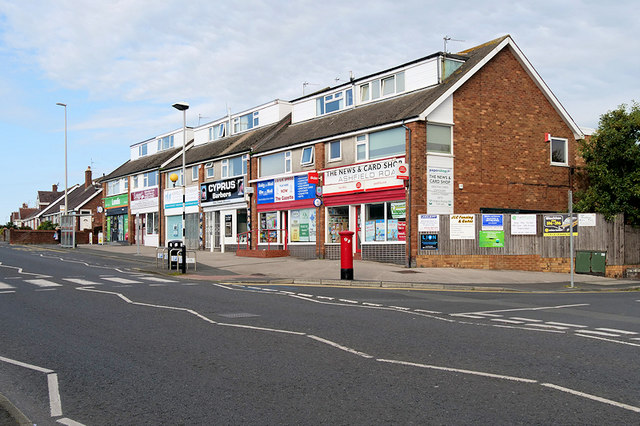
88,340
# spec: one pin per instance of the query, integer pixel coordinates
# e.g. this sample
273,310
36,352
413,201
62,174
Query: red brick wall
501,156
18,236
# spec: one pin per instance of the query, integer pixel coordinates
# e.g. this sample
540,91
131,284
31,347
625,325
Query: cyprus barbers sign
222,190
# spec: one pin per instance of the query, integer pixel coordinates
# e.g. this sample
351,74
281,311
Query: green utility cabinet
591,262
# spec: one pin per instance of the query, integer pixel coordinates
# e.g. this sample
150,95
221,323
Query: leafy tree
612,166
47,226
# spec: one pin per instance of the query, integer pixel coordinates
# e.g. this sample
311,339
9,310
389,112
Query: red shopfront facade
370,200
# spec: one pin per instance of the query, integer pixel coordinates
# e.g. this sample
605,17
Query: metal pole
66,183
184,190
571,235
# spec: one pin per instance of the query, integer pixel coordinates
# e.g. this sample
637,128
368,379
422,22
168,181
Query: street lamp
66,186
183,106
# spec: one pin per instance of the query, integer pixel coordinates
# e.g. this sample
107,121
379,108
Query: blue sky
120,65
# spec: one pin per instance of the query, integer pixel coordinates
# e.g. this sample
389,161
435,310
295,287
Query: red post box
346,255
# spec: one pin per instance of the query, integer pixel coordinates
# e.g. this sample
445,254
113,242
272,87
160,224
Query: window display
337,220
303,225
385,222
269,227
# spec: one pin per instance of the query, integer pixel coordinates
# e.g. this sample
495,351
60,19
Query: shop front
117,219
173,216
144,210
225,214
368,199
287,215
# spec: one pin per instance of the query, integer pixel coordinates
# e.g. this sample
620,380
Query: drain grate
238,315
408,271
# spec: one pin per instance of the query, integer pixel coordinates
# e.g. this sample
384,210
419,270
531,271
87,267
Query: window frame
209,167
309,161
143,150
194,173
362,140
331,158
565,143
450,153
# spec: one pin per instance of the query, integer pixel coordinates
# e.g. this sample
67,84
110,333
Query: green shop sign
116,201
491,238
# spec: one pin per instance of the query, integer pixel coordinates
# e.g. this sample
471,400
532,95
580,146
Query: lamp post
66,186
183,106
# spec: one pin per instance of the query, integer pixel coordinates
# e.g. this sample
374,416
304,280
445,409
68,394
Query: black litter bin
177,249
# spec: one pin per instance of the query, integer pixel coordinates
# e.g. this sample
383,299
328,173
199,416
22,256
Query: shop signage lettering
492,222
559,225
362,172
222,190
116,201
285,189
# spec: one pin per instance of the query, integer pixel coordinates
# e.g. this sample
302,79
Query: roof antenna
305,84
446,39
199,117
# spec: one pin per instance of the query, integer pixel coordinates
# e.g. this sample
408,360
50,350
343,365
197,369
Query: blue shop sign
285,189
265,192
492,222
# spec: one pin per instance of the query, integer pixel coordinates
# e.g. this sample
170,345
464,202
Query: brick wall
501,155
19,236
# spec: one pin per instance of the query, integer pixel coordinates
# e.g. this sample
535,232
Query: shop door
192,231
228,222
358,247
115,228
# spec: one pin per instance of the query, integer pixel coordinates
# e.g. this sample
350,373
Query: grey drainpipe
408,198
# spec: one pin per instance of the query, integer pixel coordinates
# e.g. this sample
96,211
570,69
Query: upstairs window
179,182
275,164
245,122
559,156
382,87
236,166
439,139
150,179
194,174
334,102
385,143
135,181
208,171
142,150
165,143
307,156
335,151
218,131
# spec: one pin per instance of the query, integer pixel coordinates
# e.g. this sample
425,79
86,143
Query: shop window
439,139
337,220
152,223
302,225
385,222
269,227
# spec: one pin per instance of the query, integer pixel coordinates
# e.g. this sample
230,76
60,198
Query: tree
47,226
612,166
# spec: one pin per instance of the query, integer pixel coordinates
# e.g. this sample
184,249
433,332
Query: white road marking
635,338
121,280
156,279
507,321
157,285
328,298
399,308
457,370
377,305
562,324
54,395
80,281
349,301
303,294
484,314
540,308
614,330
553,327
598,333
190,283
593,397
338,346
25,365
4,286
525,319
607,340
69,422
427,312
43,283
468,316
7,292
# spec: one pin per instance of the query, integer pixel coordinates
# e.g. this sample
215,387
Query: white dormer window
382,87
165,143
334,102
218,131
307,156
142,150
246,122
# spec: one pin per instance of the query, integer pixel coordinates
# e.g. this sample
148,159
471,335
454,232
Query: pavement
227,267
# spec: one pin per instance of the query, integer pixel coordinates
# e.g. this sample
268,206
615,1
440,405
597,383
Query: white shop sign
375,175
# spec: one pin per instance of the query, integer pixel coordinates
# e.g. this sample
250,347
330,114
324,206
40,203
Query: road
89,340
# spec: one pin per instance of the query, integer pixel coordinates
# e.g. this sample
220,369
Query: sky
120,65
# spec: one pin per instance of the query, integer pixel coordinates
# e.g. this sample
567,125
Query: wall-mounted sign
492,222
312,177
363,177
146,198
285,189
559,225
462,227
402,171
222,191
491,238
173,198
586,219
428,241
116,201
428,223
524,224
440,190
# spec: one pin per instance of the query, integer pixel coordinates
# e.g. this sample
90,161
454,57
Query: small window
349,96
335,151
559,151
194,173
439,139
388,85
361,148
375,89
364,92
287,162
224,168
142,150
307,156
208,170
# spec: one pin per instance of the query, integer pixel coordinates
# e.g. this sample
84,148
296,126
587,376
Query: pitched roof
142,164
76,198
47,197
235,144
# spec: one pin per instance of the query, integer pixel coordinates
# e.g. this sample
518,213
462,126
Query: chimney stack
87,177
54,188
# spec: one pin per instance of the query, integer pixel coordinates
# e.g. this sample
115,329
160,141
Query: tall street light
183,106
66,186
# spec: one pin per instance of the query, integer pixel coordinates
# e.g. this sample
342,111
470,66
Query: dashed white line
54,395
7,292
375,305
563,324
401,308
121,280
468,316
579,333
156,279
614,330
525,319
592,397
326,298
43,283
506,321
598,333
349,301
484,314
427,312
81,281
553,327
305,295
